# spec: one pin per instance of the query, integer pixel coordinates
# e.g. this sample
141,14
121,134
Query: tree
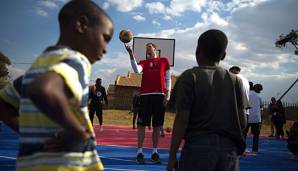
292,37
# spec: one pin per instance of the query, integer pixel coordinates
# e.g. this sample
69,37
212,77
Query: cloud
41,12
48,4
45,5
177,7
167,17
252,32
125,5
216,19
156,23
110,66
139,18
236,5
105,5
155,7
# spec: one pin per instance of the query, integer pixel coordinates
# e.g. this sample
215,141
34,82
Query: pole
288,89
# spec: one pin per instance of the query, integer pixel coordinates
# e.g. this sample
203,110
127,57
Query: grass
123,117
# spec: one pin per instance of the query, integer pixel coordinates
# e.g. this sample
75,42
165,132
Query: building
120,94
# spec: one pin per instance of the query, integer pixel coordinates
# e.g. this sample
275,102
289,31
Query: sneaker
155,158
101,128
140,158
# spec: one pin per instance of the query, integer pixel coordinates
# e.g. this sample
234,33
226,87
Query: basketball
125,36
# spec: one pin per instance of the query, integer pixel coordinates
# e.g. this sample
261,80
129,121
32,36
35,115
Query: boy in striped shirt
48,105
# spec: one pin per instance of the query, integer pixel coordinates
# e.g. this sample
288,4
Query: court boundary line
113,158
7,157
133,161
106,168
149,148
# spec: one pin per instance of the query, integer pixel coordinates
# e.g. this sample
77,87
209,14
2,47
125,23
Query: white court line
123,169
12,158
112,158
103,145
6,157
133,161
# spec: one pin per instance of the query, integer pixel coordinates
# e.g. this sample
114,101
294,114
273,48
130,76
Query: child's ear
81,24
223,56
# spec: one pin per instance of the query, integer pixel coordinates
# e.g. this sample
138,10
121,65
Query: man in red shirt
155,94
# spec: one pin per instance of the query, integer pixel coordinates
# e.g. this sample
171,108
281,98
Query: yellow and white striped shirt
36,128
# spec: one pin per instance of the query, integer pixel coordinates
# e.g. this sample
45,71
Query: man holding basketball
155,94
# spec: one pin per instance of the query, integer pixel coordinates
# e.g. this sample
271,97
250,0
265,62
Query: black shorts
151,106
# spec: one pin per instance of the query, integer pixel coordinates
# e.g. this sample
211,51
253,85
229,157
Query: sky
252,27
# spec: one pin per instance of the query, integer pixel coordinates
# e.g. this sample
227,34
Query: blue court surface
273,156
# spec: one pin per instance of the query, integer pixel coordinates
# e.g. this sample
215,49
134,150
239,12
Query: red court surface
120,135
126,136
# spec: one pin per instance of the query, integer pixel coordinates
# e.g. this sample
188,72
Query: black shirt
98,96
209,94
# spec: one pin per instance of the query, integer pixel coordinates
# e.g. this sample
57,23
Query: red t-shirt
153,79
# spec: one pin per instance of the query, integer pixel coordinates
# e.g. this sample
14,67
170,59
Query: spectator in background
272,112
279,119
255,116
97,96
135,108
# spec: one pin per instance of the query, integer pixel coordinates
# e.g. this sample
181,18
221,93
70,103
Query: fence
285,104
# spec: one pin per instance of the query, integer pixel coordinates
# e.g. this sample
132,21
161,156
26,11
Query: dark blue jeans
255,130
209,153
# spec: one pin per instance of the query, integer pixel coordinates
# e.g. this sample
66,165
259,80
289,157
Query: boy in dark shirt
209,111
97,96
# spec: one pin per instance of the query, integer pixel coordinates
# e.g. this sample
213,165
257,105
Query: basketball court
116,148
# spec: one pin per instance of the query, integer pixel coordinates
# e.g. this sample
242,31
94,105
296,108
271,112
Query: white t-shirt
245,88
255,111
